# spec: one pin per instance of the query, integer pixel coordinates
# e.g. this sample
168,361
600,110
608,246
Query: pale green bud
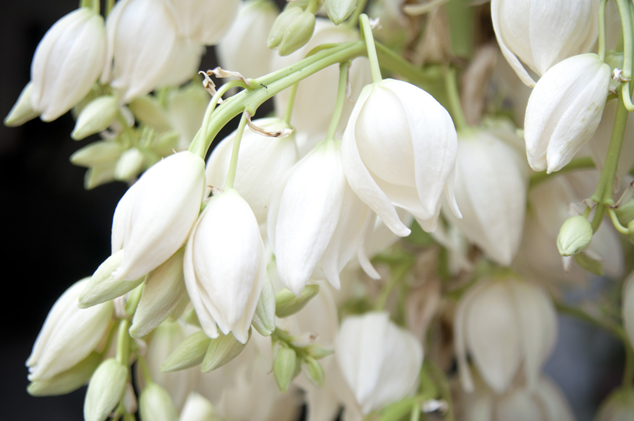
22,111
264,317
625,212
103,286
148,110
340,10
292,29
287,303
284,367
166,143
593,266
188,353
156,404
105,390
314,371
67,381
574,236
222,350
96,117
98,175
282,21
163,291
97,153
129,165
317,351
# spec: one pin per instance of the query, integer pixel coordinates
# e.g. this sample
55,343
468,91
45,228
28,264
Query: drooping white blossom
399,150
541,33
225,266
204,21
153,219
67,62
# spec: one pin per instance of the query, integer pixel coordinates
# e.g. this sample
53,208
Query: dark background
54,233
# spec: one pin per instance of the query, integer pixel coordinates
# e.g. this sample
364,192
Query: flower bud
284,367
156,404
97,116
97,153
564,111
22,110
155,216
98,175
188,353
340,10
287,303
283,20
163,290
67,62
619,405
292,29
574,236
221,350
69,334
625,212
129,165
541,33
314,371
197,408
105,390
264,316
149,111
205,21
67,381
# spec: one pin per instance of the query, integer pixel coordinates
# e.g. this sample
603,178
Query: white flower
225,266
504,324
399,149
196,408
205,21
316,221
153,219
244,48
183,65
542,33
67,62
564,111
69,334
379,361
262,164
491,187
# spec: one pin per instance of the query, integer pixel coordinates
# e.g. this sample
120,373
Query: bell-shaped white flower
491,186
244,47
316,95
67,62
143,43
541,33
184,64
262,165
379,360
564,111
399,149
504,324
316,221
205,21
69,334
225,266
153,219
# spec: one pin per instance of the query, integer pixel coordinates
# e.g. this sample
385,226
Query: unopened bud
105,390
166,143
22,111
222,350
625,212
264,317
292,29
287,303
97,116
129,165
156,404
284,367
148,110
98,175
340,10
589,264
574,236
314,371
188,353
67,381
103,286
318,352
97,153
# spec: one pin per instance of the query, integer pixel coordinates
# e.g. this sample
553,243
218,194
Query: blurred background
56,233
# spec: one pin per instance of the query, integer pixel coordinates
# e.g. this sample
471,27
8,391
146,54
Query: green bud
22,111
574,236
317,351
149,111
96,117
314,371
264,317
284,367
625,212
292,29
98,175
287,303
166,143
340,10
129,165
284,19
589,264
188,353
156,404
67,381
222,350
97,153
105,390
103,287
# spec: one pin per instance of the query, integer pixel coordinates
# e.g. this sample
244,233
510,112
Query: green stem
582,315
617,224
106,347
451,84
397,64
145,371
597,219
341,96
601,41
231,176
369,42
354,18
291,103
123,343
628,43
582,163
398,274
313,6
133,300
415,414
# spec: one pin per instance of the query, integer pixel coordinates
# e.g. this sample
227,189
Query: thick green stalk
354,18
582,163
451,85
369,42
601,41
123,343
291,103
231,176
341,96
